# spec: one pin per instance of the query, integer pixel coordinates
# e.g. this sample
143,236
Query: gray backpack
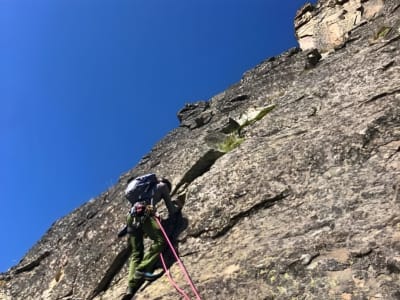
141,189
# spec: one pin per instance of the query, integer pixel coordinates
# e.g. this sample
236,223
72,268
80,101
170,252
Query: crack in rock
33,264
264,204
200,167
113,270
381,95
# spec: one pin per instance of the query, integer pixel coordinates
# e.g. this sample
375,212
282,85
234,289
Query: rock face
329,24
290,181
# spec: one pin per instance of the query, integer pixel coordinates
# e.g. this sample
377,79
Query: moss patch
231,142
261,114
235,138
382,32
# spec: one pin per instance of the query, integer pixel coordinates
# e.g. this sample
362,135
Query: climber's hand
150,210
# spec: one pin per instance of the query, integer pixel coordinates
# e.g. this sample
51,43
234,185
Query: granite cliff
289,180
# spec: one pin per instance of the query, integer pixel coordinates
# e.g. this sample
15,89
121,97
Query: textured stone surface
306,207
329,24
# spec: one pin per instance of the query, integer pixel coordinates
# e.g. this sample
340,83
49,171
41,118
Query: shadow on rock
173,226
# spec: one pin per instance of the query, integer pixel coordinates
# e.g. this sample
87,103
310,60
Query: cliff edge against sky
289,179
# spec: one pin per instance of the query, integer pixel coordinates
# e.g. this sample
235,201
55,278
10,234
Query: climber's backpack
141,188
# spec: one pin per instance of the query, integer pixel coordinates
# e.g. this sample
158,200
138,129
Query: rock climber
140,222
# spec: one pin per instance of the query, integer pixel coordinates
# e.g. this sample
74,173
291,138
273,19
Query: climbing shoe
146,275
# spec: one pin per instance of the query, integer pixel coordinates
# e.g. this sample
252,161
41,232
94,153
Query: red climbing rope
185,272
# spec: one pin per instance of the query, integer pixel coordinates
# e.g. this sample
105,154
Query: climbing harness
139,212
181,265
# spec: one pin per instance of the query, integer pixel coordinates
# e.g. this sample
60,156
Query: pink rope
185,272
182,292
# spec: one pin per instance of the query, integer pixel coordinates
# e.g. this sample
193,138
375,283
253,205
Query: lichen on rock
307,207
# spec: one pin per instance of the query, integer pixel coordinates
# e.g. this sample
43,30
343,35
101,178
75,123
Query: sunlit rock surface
290,180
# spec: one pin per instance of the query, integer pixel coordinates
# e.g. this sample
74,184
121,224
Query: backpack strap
153,191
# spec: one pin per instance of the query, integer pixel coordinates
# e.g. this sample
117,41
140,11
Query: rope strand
182,292
185,272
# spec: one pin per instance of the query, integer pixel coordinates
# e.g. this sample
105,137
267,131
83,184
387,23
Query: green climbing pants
139,261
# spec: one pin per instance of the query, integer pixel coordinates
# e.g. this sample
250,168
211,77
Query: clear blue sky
80,78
